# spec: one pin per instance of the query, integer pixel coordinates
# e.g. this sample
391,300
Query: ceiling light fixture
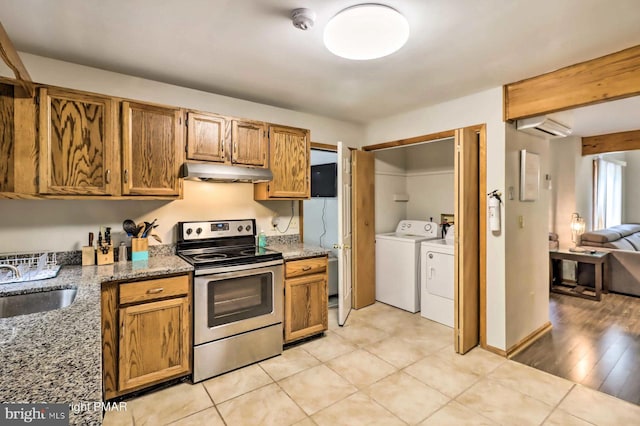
366,31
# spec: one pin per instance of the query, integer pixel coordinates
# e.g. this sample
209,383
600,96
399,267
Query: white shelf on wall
401,197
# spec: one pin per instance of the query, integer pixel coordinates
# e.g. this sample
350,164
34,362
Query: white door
344,233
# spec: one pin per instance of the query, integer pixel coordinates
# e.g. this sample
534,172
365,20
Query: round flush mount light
366,31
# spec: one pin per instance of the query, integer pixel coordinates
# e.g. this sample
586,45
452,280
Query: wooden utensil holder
139,249
88,255
104,258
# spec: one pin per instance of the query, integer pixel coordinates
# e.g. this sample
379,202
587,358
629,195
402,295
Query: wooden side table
600,261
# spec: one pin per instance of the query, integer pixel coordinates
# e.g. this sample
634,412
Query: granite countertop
56,356
298,250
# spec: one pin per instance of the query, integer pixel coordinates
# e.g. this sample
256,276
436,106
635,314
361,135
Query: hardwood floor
593,343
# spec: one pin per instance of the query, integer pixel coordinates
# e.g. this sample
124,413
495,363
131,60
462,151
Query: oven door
236,299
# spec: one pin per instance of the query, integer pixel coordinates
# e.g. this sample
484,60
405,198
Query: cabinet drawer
153,289
314,265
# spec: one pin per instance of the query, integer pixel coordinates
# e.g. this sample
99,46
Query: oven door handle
234,268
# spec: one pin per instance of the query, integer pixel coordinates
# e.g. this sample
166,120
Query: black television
324,179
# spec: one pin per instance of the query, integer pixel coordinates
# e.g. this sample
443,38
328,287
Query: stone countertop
56,356
297,250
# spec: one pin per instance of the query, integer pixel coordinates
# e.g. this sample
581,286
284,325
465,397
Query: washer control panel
422,228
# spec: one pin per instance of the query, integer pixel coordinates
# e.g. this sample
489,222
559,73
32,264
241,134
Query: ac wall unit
544,127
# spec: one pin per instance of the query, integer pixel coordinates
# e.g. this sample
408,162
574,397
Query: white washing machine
437,279
398,263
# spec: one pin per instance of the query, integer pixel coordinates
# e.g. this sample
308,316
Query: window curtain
607,200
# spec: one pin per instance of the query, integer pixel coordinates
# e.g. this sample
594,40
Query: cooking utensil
130,227
139,230
156,237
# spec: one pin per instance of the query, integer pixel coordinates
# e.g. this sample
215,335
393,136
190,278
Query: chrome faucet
15,270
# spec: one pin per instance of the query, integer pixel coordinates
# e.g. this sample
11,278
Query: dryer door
440,274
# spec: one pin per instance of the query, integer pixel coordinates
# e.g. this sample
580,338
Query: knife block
104,258
139,249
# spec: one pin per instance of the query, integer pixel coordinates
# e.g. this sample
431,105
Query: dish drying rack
33,266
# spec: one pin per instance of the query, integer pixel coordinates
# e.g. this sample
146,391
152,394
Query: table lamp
577,229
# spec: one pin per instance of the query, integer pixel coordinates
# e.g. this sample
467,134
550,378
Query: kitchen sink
30,303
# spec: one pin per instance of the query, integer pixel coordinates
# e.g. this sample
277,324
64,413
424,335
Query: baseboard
495,350
528,340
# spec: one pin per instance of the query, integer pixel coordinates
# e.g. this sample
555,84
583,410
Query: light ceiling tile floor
356,410
328,347
562,418
599,408
169,404
361,367
406,397
235,383
456,414
209,417
266,406
290,362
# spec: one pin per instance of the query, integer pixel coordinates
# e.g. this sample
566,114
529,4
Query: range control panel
216,229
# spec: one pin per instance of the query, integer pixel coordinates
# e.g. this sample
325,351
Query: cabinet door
206,137
249,143
77,144
289,151
154,342
305,306
152,149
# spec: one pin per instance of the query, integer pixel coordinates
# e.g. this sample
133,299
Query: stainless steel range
237,298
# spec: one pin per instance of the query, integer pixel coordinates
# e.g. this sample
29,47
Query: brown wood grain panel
482,220
109,305
76,143
7,140
466,275
289,151
152,149
410,141
27,148
207,137
12,59
306,310
606,78
324,146
148,290
363,197
154,342
249,140
314,265
612,142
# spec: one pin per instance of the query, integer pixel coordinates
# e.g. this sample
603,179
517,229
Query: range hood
224,173
544,127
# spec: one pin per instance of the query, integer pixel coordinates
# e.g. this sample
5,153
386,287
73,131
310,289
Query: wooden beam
410,141
609,77
324,146
10,57
623,141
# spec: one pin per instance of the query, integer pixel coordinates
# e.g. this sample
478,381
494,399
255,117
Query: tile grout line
214,404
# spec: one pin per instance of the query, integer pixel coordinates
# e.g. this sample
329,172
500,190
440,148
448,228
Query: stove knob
189,231
199,231
240,228
248,228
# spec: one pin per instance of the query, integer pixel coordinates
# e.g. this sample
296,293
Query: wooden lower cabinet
305,298
147,342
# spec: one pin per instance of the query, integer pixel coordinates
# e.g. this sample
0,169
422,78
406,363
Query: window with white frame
607,192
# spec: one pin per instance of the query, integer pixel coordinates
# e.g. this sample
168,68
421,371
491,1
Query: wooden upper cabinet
289,151
152,148
249,140
207,137
78,150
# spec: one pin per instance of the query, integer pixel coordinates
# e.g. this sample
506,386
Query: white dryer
437,279
398,263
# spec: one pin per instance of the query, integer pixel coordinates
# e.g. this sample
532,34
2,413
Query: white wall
632,191
483,107
64,224
430,180
526,251
317,208
390,179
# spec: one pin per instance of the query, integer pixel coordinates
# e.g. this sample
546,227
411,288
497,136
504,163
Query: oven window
236,299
